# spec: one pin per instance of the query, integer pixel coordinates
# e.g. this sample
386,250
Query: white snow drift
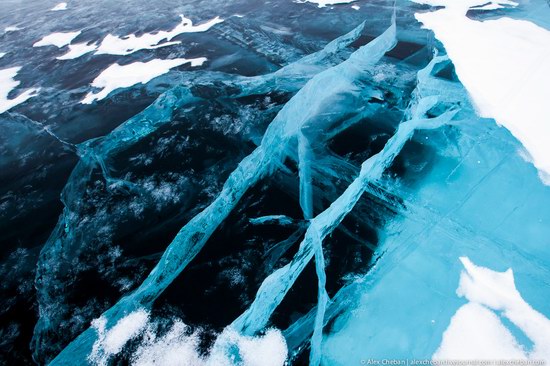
60,6
59,39
477,332
7,84
503,63
117,76
125,45
323,3
180,345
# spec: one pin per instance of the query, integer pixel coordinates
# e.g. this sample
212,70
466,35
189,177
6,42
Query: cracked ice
277,197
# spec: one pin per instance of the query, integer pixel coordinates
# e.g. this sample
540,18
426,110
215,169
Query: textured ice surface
408,298
335,184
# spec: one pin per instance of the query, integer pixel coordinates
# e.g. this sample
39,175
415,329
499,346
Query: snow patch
179,347
123,76
503,65
58,40
477,332
7,84
77,50
323,3
267,350
60,6
12,28
111,342
125,45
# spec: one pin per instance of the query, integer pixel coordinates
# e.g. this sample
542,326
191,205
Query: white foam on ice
128,44
77,50
110,342
7,84
179,347
58,39
503,63
60,6
476,332
123,76
323,3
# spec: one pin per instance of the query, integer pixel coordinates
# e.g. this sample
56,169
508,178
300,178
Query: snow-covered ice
503,63
323,3
12,28
77,50
123,76
125,45
59,39
60,6
7,84
476,330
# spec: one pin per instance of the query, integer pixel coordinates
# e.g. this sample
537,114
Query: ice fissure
262,161
274,183
347,79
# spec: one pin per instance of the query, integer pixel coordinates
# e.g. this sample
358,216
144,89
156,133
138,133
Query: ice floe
2,54
7,84
123,76
58,39
125,45
503,63
60,6
477,332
